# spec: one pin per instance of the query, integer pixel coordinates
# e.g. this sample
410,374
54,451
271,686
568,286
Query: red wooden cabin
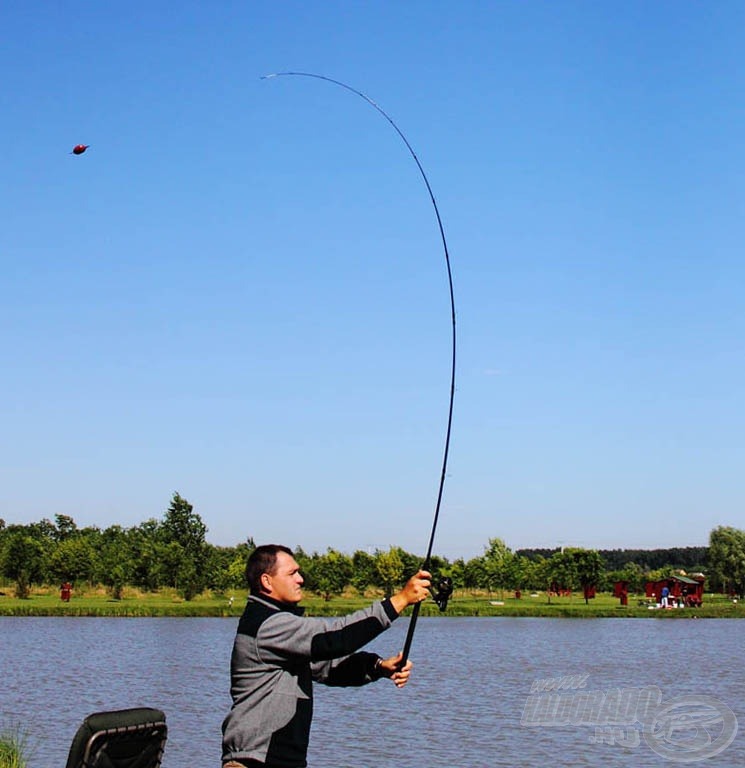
683,590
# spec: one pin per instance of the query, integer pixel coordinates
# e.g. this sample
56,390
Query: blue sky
239,293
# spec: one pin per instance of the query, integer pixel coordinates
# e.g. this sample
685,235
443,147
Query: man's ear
266,582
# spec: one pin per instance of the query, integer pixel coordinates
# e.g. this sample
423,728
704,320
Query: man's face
285,583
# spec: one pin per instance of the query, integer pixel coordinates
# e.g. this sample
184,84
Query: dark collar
278,605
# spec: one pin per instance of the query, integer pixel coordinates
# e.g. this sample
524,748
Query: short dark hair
263,560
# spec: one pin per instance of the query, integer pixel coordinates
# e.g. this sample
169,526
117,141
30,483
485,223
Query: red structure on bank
621,591
683,590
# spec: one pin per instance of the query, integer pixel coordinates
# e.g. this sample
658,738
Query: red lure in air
78,149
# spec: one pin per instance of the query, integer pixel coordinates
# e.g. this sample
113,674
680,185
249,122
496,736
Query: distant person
665,594
278,653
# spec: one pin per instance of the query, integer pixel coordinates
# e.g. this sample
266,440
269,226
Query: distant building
683,590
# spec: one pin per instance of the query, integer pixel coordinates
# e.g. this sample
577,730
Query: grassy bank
13,749
96,602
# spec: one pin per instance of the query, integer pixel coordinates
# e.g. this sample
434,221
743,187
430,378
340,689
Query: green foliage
562,570
588,568
13,749
184,526
116,580
145,551
390,569
475,574
521,572
173,553
727,558
73,559
412,563
330,573
190,581
632,573
364,573
687,558
658,574
498,565
567,569
235,575
186,552
23,561
65,528
23,586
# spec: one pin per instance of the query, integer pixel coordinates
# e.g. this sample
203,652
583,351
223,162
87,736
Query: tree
331,572
588,568
474,574
521,571
235,575
498,559
191,582
634,574
658,574
390,569
146,551
457,573
22,561
44,531
183,527
558,571
541,577
363,571
727,557
411,563
66,527
73,559
172,564
115,564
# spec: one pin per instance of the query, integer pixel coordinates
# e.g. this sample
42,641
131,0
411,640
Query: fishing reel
443,593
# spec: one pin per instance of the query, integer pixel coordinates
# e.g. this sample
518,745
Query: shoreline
168,605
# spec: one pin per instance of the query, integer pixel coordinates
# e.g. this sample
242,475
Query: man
665,596
278,653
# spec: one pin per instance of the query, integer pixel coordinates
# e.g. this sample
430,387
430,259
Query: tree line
687,558
173,552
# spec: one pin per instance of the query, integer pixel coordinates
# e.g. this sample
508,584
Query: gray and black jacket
276,655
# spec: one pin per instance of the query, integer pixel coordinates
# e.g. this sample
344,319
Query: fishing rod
445,585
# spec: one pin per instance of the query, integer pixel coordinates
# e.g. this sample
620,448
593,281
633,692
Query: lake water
469,703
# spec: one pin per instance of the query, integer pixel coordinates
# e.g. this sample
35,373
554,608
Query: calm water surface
463,707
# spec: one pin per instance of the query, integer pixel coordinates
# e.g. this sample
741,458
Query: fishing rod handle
410,633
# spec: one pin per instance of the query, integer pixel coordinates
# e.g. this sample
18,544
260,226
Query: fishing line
445,587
